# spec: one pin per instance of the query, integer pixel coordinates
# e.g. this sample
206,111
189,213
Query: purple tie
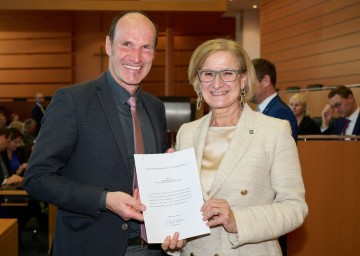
138,148
346,124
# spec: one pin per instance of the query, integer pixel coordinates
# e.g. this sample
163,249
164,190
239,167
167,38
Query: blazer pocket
77,222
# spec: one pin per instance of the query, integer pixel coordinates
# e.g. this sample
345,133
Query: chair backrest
292,88
314,87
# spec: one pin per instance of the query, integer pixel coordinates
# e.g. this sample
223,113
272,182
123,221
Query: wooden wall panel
31,46
22,91
35,61
35,53
331,174
46,50
312,41
31,76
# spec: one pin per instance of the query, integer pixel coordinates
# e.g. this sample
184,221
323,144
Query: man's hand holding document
170,188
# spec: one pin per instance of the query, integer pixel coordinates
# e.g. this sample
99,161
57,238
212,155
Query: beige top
217,142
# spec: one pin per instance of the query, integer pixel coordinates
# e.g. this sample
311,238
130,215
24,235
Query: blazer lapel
110,111
242,138
199,145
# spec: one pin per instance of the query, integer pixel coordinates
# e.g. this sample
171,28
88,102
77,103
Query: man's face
259,90
4,142
343,106
31,129
39,97
132,51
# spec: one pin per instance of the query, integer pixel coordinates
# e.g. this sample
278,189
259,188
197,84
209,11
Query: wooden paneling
44,76
35,53
312,41
331,174
106,5
46,50
35,61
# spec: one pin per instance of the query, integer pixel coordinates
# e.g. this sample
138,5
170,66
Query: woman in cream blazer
248,162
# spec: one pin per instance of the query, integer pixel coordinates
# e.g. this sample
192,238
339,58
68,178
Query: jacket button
124,226
192,254
216,254
244,192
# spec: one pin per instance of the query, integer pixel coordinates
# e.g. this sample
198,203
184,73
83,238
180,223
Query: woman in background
248,162
14,156
306,125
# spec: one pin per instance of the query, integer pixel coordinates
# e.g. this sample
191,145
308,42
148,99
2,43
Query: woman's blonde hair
301,98
205,49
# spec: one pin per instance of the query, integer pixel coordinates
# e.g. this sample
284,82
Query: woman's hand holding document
170,188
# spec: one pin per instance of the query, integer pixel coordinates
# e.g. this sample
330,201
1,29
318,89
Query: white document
169,186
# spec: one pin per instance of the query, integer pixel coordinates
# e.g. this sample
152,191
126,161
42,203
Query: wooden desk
9,237
51,213
331,172
21,194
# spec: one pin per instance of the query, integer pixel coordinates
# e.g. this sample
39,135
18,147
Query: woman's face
219,94
297,108
15,143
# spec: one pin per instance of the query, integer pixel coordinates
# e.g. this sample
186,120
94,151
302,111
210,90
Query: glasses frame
218,72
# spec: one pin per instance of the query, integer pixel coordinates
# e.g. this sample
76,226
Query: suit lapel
112,116
271,103
356,130
240,142
199,144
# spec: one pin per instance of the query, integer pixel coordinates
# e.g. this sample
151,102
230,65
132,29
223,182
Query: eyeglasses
227,75
336,105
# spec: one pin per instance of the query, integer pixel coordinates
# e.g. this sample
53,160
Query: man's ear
266,81
108,46
350,97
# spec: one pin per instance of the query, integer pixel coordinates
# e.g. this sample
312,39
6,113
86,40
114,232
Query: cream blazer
259,176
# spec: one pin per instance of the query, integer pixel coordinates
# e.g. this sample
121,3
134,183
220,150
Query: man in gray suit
86,168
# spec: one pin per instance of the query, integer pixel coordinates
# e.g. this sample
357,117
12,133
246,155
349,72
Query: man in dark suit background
341,101
269,102
83,159
37,112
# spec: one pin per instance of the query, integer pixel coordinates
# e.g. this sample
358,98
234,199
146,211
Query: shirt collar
263,104
119,93
354,115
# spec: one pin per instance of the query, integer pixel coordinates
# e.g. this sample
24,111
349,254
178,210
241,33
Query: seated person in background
13,117
342,101
298,105
14,155
17,124
3,120
29,132
5,177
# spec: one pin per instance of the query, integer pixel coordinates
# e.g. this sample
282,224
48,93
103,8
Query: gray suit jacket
259,176
80,151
